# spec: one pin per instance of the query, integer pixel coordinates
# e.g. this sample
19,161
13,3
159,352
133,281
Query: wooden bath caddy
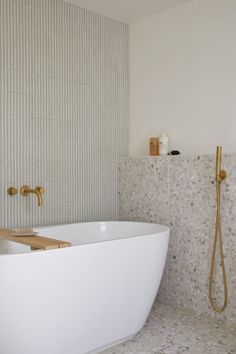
35,242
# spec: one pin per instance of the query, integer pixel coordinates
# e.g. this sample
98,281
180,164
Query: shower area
179,191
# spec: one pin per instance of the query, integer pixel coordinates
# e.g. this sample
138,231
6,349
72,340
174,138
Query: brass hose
220,175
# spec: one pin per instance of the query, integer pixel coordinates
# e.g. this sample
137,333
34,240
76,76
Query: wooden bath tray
36,242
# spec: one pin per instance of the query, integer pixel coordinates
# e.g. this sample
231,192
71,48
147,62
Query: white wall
183,77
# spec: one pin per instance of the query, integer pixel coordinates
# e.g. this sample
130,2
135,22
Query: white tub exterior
84,298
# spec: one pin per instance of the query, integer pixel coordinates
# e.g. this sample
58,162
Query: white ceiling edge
127,11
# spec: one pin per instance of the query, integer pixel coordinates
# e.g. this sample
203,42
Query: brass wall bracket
221,176
12,191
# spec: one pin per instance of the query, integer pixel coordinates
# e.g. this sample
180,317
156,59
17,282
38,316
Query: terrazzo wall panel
63,111
180,192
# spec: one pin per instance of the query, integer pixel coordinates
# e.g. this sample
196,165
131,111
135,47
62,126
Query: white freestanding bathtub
84,298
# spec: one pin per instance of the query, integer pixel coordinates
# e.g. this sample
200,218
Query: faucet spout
38,191
39,196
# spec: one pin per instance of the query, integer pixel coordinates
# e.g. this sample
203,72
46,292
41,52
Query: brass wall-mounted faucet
26,190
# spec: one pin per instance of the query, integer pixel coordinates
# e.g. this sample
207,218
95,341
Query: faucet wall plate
24,190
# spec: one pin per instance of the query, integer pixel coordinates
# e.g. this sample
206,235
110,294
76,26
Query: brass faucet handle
12,191
40,189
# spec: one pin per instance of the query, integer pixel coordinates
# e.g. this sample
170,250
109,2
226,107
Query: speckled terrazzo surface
179,191
173,331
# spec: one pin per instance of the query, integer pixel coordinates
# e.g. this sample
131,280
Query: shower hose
218,237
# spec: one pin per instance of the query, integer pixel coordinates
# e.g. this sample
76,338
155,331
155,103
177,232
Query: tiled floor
174,331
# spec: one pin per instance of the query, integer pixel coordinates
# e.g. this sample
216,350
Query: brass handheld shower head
220,176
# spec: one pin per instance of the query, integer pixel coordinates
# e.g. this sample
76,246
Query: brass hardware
40,189
223,175
12,191
220,176
26,190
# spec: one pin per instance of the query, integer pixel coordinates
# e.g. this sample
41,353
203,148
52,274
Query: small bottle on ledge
154,146
164,144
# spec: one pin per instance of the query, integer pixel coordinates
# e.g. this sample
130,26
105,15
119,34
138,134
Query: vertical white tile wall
63,111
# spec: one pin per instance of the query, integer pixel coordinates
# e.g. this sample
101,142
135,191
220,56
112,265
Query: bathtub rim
163,229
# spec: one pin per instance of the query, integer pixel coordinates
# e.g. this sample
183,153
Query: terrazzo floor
174,331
